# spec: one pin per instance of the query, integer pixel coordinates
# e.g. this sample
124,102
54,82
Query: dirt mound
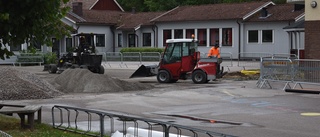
83,80
18,85
240,76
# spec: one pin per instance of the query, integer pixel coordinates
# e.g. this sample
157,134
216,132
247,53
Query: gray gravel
19,85
16,84
84,81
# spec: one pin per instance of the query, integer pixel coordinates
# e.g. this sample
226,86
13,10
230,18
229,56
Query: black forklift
84,56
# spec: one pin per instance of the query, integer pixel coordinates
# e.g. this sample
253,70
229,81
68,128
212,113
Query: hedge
160,50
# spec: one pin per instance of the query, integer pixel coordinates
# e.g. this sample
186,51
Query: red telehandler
181,60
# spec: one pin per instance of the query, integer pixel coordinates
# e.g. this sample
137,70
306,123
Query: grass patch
11,126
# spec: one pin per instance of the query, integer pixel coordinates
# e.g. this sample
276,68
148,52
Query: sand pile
18,85
83,80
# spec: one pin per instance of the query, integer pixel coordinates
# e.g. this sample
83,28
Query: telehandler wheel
163,76
52,68
199,77
101,69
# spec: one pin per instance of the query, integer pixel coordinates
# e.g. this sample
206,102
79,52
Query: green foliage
160,50
11,126
50,58
30,21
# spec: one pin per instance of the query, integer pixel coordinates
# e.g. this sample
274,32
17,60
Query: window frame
100,42
178,33
146,42
68,44
120,42
202,37
271,39
257,36
189,33
167,34
226,37
216,39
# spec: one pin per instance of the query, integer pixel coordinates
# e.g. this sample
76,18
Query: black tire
173,80
163,76
53,68
199,77
83,67
101,69
75,66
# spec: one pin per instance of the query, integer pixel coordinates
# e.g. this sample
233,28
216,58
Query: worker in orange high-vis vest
214,52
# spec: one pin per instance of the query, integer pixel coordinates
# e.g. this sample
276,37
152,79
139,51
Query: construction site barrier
101,123
289,71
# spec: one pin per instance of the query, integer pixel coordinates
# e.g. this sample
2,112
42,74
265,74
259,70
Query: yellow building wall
312,14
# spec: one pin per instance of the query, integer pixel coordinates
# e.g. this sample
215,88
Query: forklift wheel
101,69
199,77
163,76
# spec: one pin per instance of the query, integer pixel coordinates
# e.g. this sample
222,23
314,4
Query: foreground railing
100,123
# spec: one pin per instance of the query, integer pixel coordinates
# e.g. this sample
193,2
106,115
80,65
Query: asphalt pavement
261,112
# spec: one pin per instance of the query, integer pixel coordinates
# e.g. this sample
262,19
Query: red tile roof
222,11
102,17
131,21
282,12
85,3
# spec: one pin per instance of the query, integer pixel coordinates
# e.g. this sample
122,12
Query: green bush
160,50
50,58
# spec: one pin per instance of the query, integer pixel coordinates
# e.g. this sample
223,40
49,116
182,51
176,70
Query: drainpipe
137,37
156,36
113,39
239,37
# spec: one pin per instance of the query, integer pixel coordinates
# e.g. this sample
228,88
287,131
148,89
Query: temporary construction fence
245,60
101,123
290,71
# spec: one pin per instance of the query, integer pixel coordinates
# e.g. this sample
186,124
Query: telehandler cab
181,60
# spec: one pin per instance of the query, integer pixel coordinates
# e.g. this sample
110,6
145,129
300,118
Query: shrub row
160,50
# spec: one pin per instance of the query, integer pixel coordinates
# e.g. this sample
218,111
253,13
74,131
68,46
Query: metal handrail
125,119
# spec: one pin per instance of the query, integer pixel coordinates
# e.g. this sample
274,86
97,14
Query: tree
29,21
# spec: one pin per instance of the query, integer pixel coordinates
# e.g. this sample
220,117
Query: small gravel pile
83,80
18,85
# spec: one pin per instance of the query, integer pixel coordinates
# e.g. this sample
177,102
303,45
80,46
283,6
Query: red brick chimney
77,8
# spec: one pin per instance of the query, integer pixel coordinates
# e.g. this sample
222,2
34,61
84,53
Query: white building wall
106,30
204,25
280,42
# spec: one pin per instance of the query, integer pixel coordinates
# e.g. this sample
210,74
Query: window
100,40
119,40
147,39
69,44
132,40
202,37
267,36
214,36
227,37
56,46
253,36
189,32
178,33
15,47
166,35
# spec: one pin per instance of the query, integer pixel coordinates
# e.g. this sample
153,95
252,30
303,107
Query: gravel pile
18,85
83,80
